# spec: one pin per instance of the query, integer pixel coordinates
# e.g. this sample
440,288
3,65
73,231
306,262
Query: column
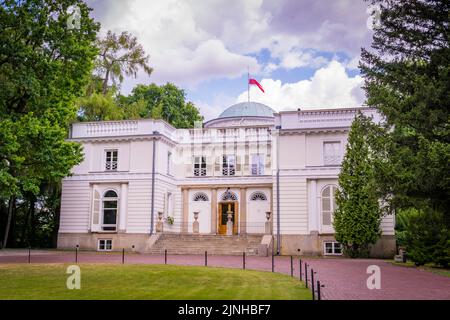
185,220
213,211
243,211
123,207
313,214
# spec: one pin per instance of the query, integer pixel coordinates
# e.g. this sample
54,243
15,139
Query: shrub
428,239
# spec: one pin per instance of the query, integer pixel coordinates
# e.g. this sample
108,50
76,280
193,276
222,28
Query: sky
304,53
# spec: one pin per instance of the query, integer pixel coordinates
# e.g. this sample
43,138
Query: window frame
111,162
109,199
328,228
258,196
257,169
170,205
105,244
201,166
169,163
333,248
228,167
339,157
200,197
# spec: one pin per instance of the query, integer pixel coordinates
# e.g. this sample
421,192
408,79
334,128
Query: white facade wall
293,205
294,146
75,207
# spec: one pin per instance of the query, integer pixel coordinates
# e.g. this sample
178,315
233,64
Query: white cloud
220,102
329,87
191,41
297,58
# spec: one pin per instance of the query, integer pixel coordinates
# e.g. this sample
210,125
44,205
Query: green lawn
105,281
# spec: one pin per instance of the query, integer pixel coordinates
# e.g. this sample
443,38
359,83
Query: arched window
258,196
328,205
109,202
200,196
229,196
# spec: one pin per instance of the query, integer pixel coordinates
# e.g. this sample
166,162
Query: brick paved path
343,278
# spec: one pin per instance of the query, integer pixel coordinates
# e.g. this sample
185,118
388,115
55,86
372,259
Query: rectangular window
229,165
257,166
111,160
332,248
332,153
199,166
104,244
169,207
169,163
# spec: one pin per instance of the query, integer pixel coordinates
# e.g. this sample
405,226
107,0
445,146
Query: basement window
104,244
332,248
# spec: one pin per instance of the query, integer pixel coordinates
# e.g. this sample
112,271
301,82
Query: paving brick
344,279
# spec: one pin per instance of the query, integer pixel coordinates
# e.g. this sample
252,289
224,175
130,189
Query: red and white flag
256,83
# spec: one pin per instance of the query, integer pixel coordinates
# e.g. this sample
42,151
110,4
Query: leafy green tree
402,219
44,66
358,214
427,238
166,102
407,79
99,107
120,55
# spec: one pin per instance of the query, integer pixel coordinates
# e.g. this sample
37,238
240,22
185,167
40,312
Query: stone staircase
199,243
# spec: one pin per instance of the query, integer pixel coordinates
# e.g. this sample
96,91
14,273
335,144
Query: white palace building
249,181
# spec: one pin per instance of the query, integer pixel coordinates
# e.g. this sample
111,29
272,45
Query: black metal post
318,290
206,258
76,253
312,285
306,275
292,266
123,255
29,254
300,268
165,256
243,260
273,262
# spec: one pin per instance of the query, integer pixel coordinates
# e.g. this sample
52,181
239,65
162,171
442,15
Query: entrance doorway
224,207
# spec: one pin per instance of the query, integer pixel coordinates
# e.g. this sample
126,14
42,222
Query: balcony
146,127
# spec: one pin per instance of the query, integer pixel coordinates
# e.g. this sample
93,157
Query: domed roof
247,109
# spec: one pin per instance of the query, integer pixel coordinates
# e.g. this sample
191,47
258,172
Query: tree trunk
33,223
12,199
12,228
105,82
56,228
24,237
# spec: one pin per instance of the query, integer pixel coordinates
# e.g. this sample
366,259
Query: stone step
201,252
213,244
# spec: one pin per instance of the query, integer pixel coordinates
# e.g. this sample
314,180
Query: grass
428,267
139,282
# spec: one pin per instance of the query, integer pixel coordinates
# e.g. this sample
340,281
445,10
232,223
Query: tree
358,214
427,238
407,79
120,55
44,66
165,102
99,107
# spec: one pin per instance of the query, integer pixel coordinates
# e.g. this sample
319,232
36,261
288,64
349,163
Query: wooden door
223,217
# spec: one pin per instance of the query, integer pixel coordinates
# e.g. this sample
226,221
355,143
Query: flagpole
248,83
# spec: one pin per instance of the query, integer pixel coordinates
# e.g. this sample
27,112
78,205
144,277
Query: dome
247,109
